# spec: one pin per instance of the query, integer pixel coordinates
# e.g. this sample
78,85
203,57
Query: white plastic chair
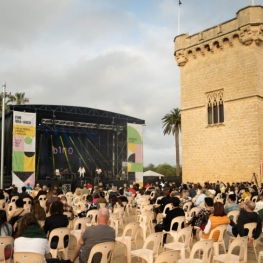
233,215
79,227
168,257
28,257
105,249
204,245
240,242
5,241
127,240
149,254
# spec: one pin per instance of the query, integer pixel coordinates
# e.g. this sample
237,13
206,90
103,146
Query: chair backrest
255,198
93,214
233,215
250,227
60,233
206,246
2,204
179,220
28,257
241,243
5,241
167,208
133,228
218,232
187,206
156,239
171,256
105,249
80,223
14,198
42,197
194,211
157,199
184,235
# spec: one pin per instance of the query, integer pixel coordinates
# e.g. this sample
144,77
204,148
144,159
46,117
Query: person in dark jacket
173,213
161,204
247,215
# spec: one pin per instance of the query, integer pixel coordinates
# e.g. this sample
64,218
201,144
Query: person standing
92,236
81,171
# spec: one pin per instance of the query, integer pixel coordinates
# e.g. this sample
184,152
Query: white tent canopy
152,173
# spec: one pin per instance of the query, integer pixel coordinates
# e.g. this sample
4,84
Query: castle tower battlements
247,27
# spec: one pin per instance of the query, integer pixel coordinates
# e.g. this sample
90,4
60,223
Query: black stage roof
77,114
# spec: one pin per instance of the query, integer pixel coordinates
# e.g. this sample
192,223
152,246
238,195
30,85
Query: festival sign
24,144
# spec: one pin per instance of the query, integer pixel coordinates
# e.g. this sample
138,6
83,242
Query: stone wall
226,58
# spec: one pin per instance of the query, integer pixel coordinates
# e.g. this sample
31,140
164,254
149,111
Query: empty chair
127,240
181,241
79,227
204,245
6,248
28,257
104,249
62,247
14,198
168,257
27,203
92,214
148,254
241,243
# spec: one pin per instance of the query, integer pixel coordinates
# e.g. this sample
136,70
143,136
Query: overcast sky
114,55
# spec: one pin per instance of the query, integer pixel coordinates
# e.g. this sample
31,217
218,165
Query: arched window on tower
215,107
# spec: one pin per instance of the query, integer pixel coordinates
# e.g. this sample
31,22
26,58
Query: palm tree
19,98
172,123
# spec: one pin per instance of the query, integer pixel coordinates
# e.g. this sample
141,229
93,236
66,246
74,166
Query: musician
81,171
98,171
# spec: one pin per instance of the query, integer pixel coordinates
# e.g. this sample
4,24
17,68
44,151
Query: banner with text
135,153
24,144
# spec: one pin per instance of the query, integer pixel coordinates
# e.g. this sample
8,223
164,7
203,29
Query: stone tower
221,72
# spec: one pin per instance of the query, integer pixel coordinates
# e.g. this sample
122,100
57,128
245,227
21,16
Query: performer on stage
81,171
98,171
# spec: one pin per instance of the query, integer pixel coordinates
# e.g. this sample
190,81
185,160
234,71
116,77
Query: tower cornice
245,29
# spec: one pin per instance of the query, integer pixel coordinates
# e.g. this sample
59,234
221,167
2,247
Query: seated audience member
92,236
55,220
17,213
247,215
5,228
200,198
24,193
102,199
218,218
202,217
14,192
161,204
28,187
67,207
122,197
171,214
192,191
186,198
114,192
96,196
89,206
2,196
231,204
115,202
38,210
30,237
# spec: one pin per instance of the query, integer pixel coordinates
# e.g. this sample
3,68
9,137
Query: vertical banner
135,153
24,141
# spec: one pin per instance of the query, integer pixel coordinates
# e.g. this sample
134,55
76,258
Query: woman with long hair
115,201
218,218
30,237
38,210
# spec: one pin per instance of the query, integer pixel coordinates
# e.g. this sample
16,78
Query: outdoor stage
70,137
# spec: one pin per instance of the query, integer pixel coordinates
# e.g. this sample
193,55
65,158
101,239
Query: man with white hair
92,236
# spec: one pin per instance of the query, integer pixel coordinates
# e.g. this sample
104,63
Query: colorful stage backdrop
135,153
24,141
